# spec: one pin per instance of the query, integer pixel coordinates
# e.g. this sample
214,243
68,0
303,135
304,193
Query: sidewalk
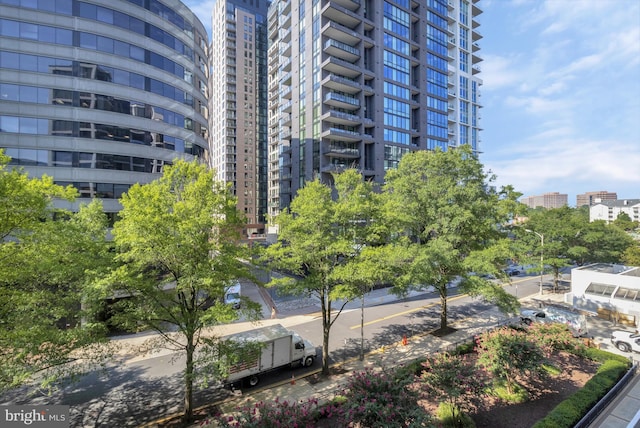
398,354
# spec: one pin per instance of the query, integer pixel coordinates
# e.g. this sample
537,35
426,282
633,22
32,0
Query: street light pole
541,236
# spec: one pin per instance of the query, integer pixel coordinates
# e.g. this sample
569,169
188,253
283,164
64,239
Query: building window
627,294
600,289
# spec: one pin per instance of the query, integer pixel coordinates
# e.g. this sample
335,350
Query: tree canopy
445,212
327,243
47,258
178,247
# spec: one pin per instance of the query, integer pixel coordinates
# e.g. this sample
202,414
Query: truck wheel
253,380
307,362
624,347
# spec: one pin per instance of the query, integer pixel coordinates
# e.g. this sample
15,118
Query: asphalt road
137,392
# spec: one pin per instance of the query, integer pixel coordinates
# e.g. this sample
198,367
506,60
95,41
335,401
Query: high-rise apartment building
547,200
592,198
239,104
360,83
102,95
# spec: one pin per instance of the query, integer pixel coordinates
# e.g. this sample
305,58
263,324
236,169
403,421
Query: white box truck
279,347
232,295
576,321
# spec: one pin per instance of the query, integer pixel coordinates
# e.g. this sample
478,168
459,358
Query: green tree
322,240
631,255
507,353
455,380
624,222
446,213
569,237
178,247
47,257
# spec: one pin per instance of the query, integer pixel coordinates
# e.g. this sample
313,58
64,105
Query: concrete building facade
611,291
360,83
102,95
610,210
592,198
547,200
239,104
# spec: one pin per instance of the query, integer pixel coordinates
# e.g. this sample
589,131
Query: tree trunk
443,308
326,325
188,382
362,329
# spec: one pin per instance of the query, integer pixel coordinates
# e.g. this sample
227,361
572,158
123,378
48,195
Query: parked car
514,270
626,341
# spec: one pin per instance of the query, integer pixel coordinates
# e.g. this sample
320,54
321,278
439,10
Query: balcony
344,68
285,119
348,151
286,106
341,118
335,31
285,134
340,134
475,69
285,65
341,101
340,165
341,84
347,4
285,92
285,49
451,94
342,15
341,50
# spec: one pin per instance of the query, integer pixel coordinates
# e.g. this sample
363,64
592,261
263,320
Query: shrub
455,380
376,399
507,353
279,414
554,337
571,410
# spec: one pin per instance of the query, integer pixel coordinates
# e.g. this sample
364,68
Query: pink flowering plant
455,380
276,414
507,353
554,337
380,399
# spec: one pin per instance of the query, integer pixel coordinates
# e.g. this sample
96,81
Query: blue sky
561,94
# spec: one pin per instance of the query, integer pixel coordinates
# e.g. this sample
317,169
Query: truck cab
232,295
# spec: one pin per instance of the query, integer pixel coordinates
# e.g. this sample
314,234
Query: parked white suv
626,341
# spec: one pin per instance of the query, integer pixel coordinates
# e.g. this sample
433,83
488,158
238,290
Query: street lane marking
459,296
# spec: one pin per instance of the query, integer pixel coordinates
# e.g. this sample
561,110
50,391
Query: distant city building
102,96
547,200
239,104
359,83
592,198
609,210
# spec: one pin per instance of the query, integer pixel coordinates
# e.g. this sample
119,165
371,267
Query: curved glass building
102,95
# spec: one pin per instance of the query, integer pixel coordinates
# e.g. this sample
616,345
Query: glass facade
372,84
117,92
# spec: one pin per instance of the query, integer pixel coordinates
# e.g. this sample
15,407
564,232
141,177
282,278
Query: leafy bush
278,414
507,353
455,380
571,410
376,399
601,355
554,337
